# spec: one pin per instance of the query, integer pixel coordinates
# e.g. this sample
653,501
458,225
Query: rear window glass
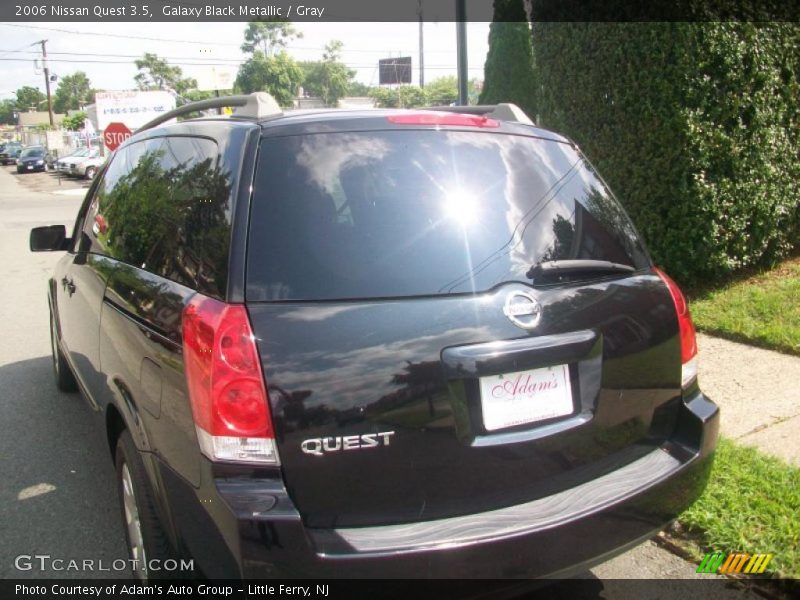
423,212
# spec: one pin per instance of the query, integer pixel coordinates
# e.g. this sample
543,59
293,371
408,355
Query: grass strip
762,309
751,504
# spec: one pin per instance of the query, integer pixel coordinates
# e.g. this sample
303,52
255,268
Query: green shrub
404,96
695,127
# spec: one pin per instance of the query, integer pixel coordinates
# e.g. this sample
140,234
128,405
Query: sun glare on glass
461,206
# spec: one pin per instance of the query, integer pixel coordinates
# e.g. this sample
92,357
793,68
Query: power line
119,35
184,41
202,64
20,49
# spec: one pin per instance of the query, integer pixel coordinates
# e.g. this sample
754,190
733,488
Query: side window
163,206
95,236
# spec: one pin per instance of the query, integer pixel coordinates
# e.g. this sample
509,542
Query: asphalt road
58,494
57,497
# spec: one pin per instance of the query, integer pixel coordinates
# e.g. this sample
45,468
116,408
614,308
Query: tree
7,110
356,88
279,75
405,96
329,79
268,36
28,96
73,92
157,74
442,91
509,74
74,122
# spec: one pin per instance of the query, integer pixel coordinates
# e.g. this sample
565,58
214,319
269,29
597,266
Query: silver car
86,167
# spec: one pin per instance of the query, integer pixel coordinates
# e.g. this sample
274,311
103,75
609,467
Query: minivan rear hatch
423,357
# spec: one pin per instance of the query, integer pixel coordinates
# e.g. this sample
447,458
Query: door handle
68,285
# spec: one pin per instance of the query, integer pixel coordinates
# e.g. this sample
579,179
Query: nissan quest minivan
375,343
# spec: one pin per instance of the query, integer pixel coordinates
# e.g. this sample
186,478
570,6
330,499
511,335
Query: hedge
695,127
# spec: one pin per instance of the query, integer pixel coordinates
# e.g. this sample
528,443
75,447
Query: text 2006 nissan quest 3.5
378,343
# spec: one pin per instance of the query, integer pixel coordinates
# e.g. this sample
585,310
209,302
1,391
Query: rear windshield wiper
557,270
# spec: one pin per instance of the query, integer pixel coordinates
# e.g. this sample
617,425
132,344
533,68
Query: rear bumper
250,529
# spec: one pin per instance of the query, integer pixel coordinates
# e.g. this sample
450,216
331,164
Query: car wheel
65,380
146,538
91,172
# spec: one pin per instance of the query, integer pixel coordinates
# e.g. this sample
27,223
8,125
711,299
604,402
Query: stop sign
115,134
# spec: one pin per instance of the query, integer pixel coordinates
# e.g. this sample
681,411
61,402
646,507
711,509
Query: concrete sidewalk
758,393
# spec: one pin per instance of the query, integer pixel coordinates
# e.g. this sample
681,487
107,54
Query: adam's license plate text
525,397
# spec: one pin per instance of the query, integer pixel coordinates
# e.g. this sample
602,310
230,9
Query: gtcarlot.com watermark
45,562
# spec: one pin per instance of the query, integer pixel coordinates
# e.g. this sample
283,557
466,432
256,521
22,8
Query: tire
65,380
91,172
147,541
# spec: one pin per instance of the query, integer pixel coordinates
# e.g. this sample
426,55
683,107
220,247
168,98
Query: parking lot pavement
49,182
58,495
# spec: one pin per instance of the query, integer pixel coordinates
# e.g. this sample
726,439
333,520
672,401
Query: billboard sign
133,108
215,77
394,70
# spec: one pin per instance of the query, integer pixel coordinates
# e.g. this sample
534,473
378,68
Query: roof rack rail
504,111
257,105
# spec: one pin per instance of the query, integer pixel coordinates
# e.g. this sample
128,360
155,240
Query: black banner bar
390,10
588,588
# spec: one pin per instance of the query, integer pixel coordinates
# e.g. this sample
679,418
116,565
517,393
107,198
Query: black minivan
377,343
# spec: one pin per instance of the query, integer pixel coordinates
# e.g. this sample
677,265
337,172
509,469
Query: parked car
379,343
87,167
31,159
10,153
63,162
73,165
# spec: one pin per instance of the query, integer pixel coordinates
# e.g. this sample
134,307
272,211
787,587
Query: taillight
442,118
686,329
226,386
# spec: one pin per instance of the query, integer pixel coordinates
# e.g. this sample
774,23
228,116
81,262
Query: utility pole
461,42
47,82
421,47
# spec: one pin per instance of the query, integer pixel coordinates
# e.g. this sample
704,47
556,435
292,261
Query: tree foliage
75,121
439,92
356,88
7,110
269,36
29,96
444,91
404,96
157,74
279,75
509,74
328,79
73,92
696,126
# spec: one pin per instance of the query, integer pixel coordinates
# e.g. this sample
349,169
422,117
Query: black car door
81,279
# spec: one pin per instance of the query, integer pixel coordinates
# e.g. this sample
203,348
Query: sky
106,51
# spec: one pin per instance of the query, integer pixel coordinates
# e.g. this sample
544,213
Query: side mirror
47,239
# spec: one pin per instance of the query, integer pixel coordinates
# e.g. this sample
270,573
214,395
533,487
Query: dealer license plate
513,399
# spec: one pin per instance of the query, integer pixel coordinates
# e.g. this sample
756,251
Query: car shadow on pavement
58,495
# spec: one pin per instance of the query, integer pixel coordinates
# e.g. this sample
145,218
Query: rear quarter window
163,206
423,212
